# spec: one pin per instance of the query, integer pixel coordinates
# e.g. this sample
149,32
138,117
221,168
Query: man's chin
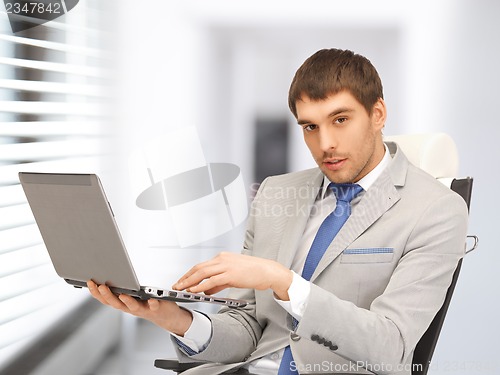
337,177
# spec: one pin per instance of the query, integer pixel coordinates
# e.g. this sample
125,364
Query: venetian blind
52,91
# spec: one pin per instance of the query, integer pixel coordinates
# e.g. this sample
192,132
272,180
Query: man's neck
367,181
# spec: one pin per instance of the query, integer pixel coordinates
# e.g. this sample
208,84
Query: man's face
343,138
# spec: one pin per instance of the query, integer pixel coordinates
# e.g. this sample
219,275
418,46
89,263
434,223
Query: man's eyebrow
339,111
334,113
303,122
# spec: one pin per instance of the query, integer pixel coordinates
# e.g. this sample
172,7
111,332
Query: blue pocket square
368,255
372,250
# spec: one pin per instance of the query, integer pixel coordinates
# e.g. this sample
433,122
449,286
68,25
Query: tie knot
345,192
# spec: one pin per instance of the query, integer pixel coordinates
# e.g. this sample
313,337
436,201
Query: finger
211,283
200,275
220,259
95,292
154,304
194,270
111,299
216,289
134,306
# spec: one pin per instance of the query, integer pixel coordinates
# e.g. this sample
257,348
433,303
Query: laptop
82,238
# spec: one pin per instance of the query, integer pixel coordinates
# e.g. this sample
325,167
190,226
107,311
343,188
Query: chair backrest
437,155
425,348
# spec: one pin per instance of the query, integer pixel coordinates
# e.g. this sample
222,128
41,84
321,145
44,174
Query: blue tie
344,193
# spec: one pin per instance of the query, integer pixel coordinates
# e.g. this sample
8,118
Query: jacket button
333,347
315,337
294,336
327,343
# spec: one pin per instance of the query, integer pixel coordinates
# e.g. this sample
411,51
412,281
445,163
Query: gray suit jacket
374,292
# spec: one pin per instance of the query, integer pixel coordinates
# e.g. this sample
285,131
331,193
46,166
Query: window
52,96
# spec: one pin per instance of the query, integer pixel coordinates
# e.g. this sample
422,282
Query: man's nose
328,139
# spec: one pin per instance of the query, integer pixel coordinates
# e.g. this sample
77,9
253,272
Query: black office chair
425,348
437,155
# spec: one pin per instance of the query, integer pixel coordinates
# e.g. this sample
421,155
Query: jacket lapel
296,223
379,198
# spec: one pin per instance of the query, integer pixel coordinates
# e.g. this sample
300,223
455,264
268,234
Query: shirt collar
367,181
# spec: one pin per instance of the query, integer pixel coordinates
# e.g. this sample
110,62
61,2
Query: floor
143,342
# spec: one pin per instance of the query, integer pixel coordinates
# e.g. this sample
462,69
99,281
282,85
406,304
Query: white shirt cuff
199,333
298,292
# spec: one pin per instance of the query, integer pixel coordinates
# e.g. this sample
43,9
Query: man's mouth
334,164
334,160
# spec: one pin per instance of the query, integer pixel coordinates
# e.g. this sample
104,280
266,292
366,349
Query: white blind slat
17,215
12,349
27,303
89,52
19,237
23,260
52,128
30,325
25,281
11,195
45,108
51,87
53,67
46,150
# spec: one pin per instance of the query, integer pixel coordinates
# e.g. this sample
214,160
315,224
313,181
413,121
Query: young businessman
366,299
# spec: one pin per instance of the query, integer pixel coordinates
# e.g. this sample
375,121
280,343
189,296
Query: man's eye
341,120
309,127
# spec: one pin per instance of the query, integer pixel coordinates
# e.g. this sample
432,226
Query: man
359,303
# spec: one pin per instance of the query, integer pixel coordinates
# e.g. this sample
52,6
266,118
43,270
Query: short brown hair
330,71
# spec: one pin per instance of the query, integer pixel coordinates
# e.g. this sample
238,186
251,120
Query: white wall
217,64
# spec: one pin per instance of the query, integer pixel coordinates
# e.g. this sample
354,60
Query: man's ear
379,114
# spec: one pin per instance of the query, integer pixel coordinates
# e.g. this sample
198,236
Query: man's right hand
166,314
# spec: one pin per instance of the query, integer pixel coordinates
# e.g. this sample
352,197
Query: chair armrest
175,365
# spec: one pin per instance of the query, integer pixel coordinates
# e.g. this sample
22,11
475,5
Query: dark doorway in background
271,147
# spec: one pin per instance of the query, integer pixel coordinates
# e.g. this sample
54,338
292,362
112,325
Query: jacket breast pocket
367,255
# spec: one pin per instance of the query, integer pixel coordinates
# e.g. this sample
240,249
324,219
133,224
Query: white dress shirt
199,333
